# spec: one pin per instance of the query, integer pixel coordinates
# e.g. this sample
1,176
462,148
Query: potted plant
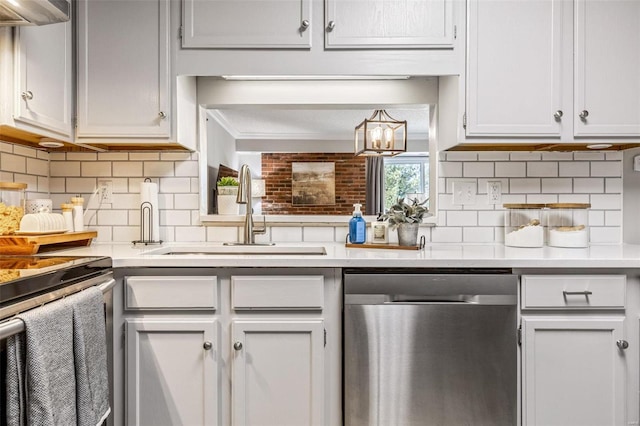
406,216
227,193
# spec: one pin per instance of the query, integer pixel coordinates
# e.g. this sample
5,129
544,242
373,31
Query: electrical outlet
106,191
494,192
464,192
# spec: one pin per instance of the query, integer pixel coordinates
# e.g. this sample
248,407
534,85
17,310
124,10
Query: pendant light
381,135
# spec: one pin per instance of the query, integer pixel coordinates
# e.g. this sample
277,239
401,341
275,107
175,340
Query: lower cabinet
278,372
574,372
172,372
576,361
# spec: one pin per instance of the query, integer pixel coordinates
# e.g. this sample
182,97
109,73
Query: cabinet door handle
584,114
558,115
586,293
622,344
304,25
237,346
28,95
331,25
162,115
207,346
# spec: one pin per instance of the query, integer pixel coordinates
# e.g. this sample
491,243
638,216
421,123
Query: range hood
34,12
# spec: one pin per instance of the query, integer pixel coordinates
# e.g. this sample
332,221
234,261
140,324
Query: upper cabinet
514,68
36,82
123,71
607,68
389,24
552,70
247,23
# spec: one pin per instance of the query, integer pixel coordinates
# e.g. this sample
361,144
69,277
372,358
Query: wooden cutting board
32,244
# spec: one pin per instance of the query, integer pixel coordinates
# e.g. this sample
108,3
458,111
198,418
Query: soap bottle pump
357,226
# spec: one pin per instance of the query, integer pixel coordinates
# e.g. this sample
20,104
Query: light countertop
338,256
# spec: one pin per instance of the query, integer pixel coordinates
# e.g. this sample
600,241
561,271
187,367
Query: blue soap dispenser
357,226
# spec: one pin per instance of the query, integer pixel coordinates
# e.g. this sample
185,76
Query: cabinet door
171,372
607,66
278,373
43,77
514,68
247,23
389,23
123,69
573,372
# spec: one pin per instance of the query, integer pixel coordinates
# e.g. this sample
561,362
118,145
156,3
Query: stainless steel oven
27,282
430,347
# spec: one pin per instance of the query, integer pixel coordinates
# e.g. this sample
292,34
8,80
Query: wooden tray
418,246
32,244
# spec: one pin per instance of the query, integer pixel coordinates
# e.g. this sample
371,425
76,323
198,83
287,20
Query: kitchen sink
239,250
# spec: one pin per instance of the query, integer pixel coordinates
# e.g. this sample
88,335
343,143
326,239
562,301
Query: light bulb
388,138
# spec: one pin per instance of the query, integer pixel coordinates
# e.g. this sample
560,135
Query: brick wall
349,181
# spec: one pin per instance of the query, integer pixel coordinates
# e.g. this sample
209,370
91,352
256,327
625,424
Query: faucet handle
262,230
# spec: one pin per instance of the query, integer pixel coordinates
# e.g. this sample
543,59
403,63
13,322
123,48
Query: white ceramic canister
67,214
78,213
38,205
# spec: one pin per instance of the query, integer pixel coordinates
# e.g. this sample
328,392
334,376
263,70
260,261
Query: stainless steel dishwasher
430,347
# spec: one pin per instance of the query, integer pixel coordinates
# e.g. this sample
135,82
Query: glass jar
523,225
568,225
12,199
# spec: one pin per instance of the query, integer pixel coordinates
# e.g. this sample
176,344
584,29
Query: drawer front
573,291
277,292
191,293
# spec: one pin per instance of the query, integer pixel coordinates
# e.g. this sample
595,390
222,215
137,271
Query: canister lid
569,205
524,206
66,206
13,185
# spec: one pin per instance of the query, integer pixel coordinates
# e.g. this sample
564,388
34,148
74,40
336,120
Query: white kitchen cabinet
551,71
123,71
514,68
574,372
36,80
247,23
389,24
607,68
171,371
278,372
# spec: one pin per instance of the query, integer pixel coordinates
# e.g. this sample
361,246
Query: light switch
464,192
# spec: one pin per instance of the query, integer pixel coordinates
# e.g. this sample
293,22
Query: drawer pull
586,293
622,344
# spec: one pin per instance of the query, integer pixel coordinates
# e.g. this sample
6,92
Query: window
406,175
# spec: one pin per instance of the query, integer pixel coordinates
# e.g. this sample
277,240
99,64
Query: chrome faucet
244,197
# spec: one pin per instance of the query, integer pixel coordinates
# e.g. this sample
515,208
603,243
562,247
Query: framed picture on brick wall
313,183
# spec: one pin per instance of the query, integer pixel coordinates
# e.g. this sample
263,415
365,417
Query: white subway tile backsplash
542,169
613,155
144,156
166,201
318,234
613,185
25,151
186,168
190,233
493,156
557,185
542,198
609,234
127,168
81,185
596,218
445,202
478,169
187,201
82,156
574,168
175,156
613,218
158,168
175,185
113,217
573,198
606,168
126,233
222,234
64,168
589,156
606,201
478,235
449,169
43,185
588,185
13,163
525,156
96,168
6,147
557,156
446,234
37,167
524,186
113,156
43,155
175,217
286,233
462,218
462,156
128,201
511,169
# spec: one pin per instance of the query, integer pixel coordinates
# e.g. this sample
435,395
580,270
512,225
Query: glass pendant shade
381,135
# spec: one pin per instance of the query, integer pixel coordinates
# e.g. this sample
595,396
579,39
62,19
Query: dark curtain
374,170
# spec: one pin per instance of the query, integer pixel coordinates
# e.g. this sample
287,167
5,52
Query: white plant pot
227,200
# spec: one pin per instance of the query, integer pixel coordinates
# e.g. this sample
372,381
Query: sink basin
239,250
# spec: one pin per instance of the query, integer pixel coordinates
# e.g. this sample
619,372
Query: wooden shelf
32,244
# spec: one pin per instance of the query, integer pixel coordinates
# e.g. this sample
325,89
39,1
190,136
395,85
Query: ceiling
302,123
